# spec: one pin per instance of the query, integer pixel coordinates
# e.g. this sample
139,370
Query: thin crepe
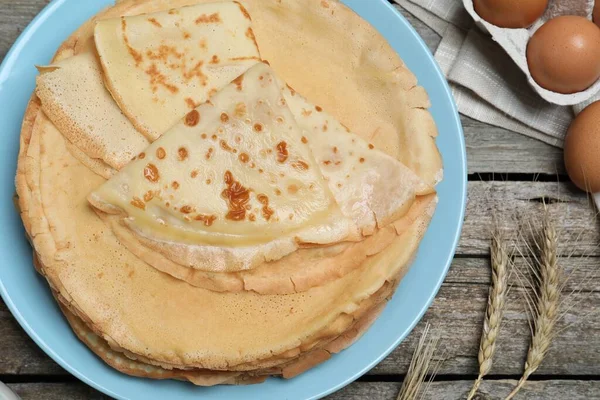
174,60
106,305
267,163
148,313
74,97
231,186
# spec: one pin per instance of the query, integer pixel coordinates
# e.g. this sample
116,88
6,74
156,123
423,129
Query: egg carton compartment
514,42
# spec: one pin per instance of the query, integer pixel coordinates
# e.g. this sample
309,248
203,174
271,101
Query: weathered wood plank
490,390
18,353
492,149
442,390
573,212
57,391
14,17
459,310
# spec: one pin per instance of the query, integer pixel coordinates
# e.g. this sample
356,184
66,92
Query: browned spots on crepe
208,181
240,109
325,128
282,152
186,209
149,195
214,59
318,108
175,185
151,173
186,35
371,146
245,58
306,112
326,162
202,43
161,153
236,196
142,155
182,153
252,217
195,72
267,211
192,118
164,54
362,160
190,102
304,139
158,79
194,173
238,82
278,192
293,189
250,35
203,136
243,10
300,165
137,202
324,4
225,146
211,93
243,157
154,22
208,19
208,220
224,117
173,11
258,127
209,153
335,149
137,57
292,91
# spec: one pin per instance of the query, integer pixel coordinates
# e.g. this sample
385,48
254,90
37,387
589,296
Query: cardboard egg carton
514,42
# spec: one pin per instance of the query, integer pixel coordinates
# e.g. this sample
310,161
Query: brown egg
582,149
510,13
564,54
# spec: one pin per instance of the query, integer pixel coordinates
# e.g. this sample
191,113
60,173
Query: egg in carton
514,42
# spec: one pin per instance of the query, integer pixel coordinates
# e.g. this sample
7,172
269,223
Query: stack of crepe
204,214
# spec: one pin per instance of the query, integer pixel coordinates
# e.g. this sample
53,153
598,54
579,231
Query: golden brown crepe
74,97
262,192
156,319
174,59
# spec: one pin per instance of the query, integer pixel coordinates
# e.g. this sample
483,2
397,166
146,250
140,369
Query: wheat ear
412,387
546,302
500,260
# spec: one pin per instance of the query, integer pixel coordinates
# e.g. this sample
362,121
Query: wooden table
507,171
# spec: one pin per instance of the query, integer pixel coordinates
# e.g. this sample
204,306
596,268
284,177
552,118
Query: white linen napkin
487,84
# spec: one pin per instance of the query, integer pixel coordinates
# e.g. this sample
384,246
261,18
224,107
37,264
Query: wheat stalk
545,305
500,261
412,387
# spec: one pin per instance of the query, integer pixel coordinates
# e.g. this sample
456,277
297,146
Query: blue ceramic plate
30,301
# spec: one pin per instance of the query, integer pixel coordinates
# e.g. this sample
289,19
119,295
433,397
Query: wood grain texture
14,17
490,390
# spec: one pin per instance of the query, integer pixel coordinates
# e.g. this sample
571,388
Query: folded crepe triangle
159,66
238,182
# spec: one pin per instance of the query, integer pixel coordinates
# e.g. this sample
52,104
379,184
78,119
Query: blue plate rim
47,13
